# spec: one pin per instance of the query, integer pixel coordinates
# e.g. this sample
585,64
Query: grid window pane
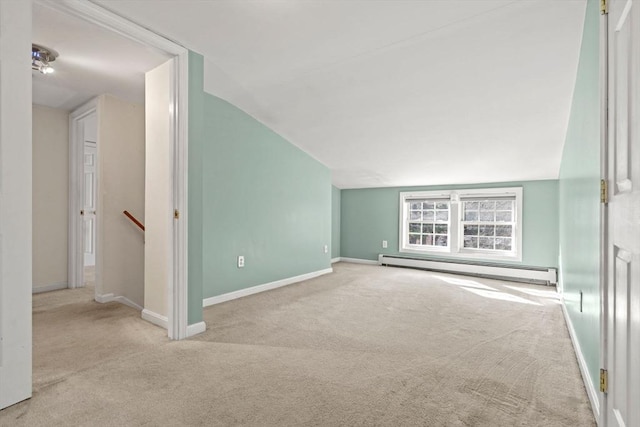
504,205
487,230
470,215
503,216
488,224
487,216
485,242
471,242
471,206
442,228
488,205
503,244
470,230
504,230
426,219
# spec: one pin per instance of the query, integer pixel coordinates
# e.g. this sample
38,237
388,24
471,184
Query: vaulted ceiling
391,93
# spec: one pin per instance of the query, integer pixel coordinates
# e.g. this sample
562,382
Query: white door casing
15,202
89,202
622,340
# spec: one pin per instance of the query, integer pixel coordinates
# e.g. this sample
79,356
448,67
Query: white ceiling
391,93
92,61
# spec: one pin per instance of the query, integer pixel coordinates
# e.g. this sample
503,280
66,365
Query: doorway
84,190
86,216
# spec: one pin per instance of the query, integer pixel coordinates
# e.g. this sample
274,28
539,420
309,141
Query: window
488,224
429,223
482,224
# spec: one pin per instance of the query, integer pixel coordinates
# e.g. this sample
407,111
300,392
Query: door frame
601,417
76,170
177,312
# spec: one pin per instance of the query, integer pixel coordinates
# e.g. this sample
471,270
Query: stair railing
134,220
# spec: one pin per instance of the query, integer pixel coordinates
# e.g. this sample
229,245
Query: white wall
121,161
50,196
15,202
158,201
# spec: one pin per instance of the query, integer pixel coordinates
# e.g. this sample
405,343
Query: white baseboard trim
50,287
334,260
104,298
593,394
262,288
196,328
155,318
359,261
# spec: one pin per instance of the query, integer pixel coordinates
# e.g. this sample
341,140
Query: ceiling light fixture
41,57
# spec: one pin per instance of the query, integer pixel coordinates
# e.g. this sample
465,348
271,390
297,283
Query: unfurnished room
320,213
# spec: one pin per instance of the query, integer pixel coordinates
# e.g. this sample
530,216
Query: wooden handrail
133,218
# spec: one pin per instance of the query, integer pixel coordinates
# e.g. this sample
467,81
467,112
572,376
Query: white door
15,202
89,202
623,229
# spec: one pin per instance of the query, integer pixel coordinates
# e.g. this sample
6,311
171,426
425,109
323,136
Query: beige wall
50,196
121,158
158,217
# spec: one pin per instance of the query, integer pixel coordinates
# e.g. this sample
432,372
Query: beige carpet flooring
364,346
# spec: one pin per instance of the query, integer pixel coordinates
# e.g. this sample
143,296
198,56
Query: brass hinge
604,7
604,380
604,191
176,214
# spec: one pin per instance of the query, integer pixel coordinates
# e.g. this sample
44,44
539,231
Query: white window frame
455,247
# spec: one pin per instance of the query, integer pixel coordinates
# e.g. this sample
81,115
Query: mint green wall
371,215
580,199
262,198
196,140
335,222
251,193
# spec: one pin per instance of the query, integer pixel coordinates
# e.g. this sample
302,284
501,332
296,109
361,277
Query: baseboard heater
504,271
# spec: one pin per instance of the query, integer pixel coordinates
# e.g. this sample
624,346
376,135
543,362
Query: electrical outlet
326,249
384,244
240,261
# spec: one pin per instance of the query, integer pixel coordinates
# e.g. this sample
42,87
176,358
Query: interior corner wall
50,196
369,216
262,198
579,199
335,221
121,162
